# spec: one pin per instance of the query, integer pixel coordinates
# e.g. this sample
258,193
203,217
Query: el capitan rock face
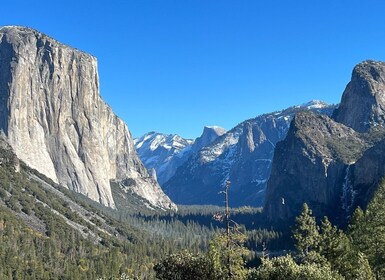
333,164
55,120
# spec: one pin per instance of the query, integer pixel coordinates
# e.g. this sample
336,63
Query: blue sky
174,66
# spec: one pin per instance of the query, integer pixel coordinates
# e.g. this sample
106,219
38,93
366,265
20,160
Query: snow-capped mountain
243,155
164,153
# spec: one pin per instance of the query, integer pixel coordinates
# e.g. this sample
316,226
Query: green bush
285,268
184,266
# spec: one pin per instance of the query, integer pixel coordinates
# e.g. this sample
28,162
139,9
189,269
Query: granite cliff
362,103
52,115
333,164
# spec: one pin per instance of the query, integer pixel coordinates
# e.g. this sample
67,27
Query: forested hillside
48,232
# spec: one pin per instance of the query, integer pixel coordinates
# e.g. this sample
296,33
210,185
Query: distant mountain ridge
242,155
164,153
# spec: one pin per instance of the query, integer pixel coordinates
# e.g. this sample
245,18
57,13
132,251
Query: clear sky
173,66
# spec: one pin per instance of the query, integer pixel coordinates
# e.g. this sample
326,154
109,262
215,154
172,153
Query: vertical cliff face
310,165
55,120
208,136
333,164
362,103
366,173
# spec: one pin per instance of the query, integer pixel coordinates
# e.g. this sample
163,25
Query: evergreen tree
305,233
367,231
285,268
185,266
336,247
227,260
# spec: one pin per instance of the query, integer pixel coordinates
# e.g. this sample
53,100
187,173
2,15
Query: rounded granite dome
363,101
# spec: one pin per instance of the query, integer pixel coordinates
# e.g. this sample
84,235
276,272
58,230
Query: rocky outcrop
55,120
208,136
242,155
334,164
363,101
310,166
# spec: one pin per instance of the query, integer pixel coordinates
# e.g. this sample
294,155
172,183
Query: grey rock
310,166
363,101
365,175
208,136
55,120
334,164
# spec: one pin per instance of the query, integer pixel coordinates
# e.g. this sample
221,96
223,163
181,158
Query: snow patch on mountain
166,152
242,155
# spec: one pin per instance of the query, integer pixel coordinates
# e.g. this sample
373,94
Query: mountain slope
242,155
50,232
45,233
56,122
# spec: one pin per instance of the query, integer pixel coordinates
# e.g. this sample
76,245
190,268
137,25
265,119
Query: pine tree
220,253
367,231
305,234
341,254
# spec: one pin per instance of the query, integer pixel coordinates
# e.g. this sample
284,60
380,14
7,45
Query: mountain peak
315,104
215,127
242,155
162,152
363,101
209,134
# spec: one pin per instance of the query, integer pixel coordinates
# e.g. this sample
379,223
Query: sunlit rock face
54,118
